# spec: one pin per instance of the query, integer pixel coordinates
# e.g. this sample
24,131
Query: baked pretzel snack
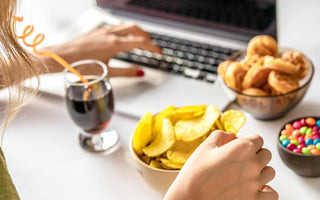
270,90
262,45
223,67
254,92
234,75
282,82
250,61
256,77
299,60
280,65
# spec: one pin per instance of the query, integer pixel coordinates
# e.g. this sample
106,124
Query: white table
46,161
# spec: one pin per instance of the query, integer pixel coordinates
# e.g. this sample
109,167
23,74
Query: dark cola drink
90,108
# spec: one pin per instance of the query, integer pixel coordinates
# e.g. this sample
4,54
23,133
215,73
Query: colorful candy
302,136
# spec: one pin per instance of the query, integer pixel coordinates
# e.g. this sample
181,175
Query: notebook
195,36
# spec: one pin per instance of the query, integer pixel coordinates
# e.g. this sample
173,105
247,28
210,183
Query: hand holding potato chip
225,167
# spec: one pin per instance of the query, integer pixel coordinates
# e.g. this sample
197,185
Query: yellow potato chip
163,141
218,125
232,120
181,151
191,129
158,120
143,133
167,164
186,112
155,164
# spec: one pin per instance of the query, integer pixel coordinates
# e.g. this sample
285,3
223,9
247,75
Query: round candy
294,142
303,130
306,151
311,121
318,123
296,125
293,137
316,141
309,131
285,143
288,127
295,132
291,146
285,132
318,146
283,137
309,141
311,147
296,151
315,137
301,139
315,129
315,152
300,146
303,122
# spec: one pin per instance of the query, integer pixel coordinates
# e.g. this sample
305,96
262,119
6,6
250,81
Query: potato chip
163,141
167,164
191,129
158,119
155,164
218,125
232,120
181,151
186,112
143,133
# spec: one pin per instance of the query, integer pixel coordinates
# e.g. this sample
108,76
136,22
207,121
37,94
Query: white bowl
158,179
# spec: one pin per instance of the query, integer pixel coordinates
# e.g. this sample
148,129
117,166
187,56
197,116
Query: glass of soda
91,105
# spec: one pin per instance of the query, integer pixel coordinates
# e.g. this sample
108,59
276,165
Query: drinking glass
91,105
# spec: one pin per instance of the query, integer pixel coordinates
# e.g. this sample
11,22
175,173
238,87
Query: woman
223,166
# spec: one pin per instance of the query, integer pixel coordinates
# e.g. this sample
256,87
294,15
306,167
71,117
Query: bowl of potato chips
162,143
265,80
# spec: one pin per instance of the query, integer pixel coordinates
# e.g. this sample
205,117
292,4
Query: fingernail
140,73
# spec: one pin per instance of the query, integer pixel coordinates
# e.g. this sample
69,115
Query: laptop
195,36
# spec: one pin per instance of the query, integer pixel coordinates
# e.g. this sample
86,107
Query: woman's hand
102,44
224,167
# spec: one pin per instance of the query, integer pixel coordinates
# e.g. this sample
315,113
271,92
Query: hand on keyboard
104,43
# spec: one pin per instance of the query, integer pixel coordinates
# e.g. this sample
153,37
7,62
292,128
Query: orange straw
38,40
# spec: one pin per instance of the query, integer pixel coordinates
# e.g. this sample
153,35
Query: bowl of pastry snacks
266,81
162,143
298,144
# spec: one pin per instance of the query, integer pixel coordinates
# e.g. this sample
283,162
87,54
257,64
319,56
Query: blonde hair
16,65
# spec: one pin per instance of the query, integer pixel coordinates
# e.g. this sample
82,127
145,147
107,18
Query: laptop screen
243,17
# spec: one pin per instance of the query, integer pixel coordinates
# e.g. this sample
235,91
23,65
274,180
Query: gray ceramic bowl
304,165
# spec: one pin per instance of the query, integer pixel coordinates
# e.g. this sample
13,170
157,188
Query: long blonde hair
16,65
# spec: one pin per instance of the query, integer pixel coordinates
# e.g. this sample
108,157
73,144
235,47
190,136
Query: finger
256,140
125,72
126,44
264,156
268,193
125,29
218,138
266,175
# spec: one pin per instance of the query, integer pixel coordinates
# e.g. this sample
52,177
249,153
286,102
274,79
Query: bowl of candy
162,143
265,80
298,144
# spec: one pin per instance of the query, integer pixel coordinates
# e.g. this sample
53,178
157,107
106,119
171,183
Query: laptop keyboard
181,57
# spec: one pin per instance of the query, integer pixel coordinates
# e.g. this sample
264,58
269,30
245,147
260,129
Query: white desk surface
46,161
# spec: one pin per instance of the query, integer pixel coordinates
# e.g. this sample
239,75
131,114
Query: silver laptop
195,36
